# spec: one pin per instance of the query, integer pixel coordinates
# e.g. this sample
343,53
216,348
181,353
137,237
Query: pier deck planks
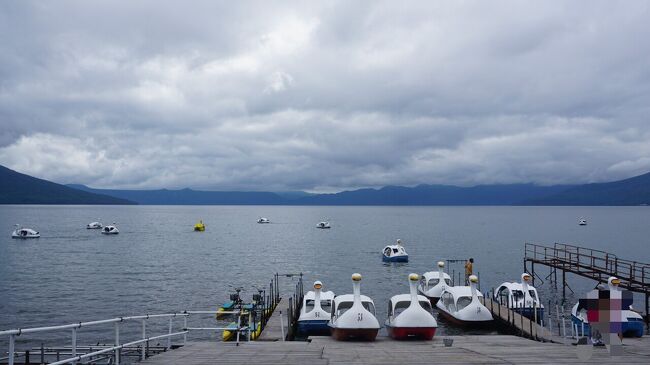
485,349
273,331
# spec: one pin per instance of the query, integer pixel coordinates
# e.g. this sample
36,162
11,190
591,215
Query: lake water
157,264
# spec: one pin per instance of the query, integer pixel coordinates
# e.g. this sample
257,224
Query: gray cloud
324,96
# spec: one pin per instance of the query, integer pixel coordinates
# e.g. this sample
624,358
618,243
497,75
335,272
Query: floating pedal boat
235,303
315,312
323,225
94,225
199,227
431,286
582,222
521,297
112,229
460,305
631,322
409,315
263,220
24,233
353,315
395,253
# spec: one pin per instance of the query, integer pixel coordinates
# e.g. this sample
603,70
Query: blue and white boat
521,297
631,321
316,312
395,253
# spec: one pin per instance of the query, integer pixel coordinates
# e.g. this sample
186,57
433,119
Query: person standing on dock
469,266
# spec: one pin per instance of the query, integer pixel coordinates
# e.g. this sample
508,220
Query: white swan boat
431,284
323,225
353,315
263,220
111,229
631,322
460,305
521,297
94,225
409,315
316,311
395,253
582,222
24,233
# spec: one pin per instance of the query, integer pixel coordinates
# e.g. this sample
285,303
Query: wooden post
563,284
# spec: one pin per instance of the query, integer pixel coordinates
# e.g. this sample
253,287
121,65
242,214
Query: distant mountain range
16,188
191,197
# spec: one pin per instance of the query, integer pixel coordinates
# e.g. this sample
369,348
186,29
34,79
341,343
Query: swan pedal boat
315,312
110,230
410,315
395,253
460,305
631,322
431,286
94,225
323,225
24,233
521,297
353,315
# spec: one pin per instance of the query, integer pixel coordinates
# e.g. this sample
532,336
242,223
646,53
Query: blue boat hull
314,328
629,328
404,258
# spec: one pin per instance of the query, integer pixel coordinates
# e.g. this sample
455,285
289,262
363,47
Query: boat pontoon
316,312
631,322
353,315
522,298
460,305
112,229
263,220
395,253
22,232
431,284
323,225
409,315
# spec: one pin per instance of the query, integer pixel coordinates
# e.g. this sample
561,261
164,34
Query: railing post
143,355
12,344
74,343
169,339
185,329
117,343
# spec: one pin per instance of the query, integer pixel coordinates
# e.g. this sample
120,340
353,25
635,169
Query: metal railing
592,263
142,343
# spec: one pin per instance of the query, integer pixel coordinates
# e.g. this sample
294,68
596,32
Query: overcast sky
325,96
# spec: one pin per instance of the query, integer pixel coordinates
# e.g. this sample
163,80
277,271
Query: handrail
13,333
637,274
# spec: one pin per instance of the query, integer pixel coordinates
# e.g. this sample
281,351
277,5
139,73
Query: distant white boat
263,220
94,225
582,222
323,225
21,232
112,229
395,253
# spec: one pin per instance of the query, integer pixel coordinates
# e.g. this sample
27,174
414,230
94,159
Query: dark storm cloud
324,96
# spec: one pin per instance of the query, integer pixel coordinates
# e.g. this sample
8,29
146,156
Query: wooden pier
521,325
589,263
464,350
